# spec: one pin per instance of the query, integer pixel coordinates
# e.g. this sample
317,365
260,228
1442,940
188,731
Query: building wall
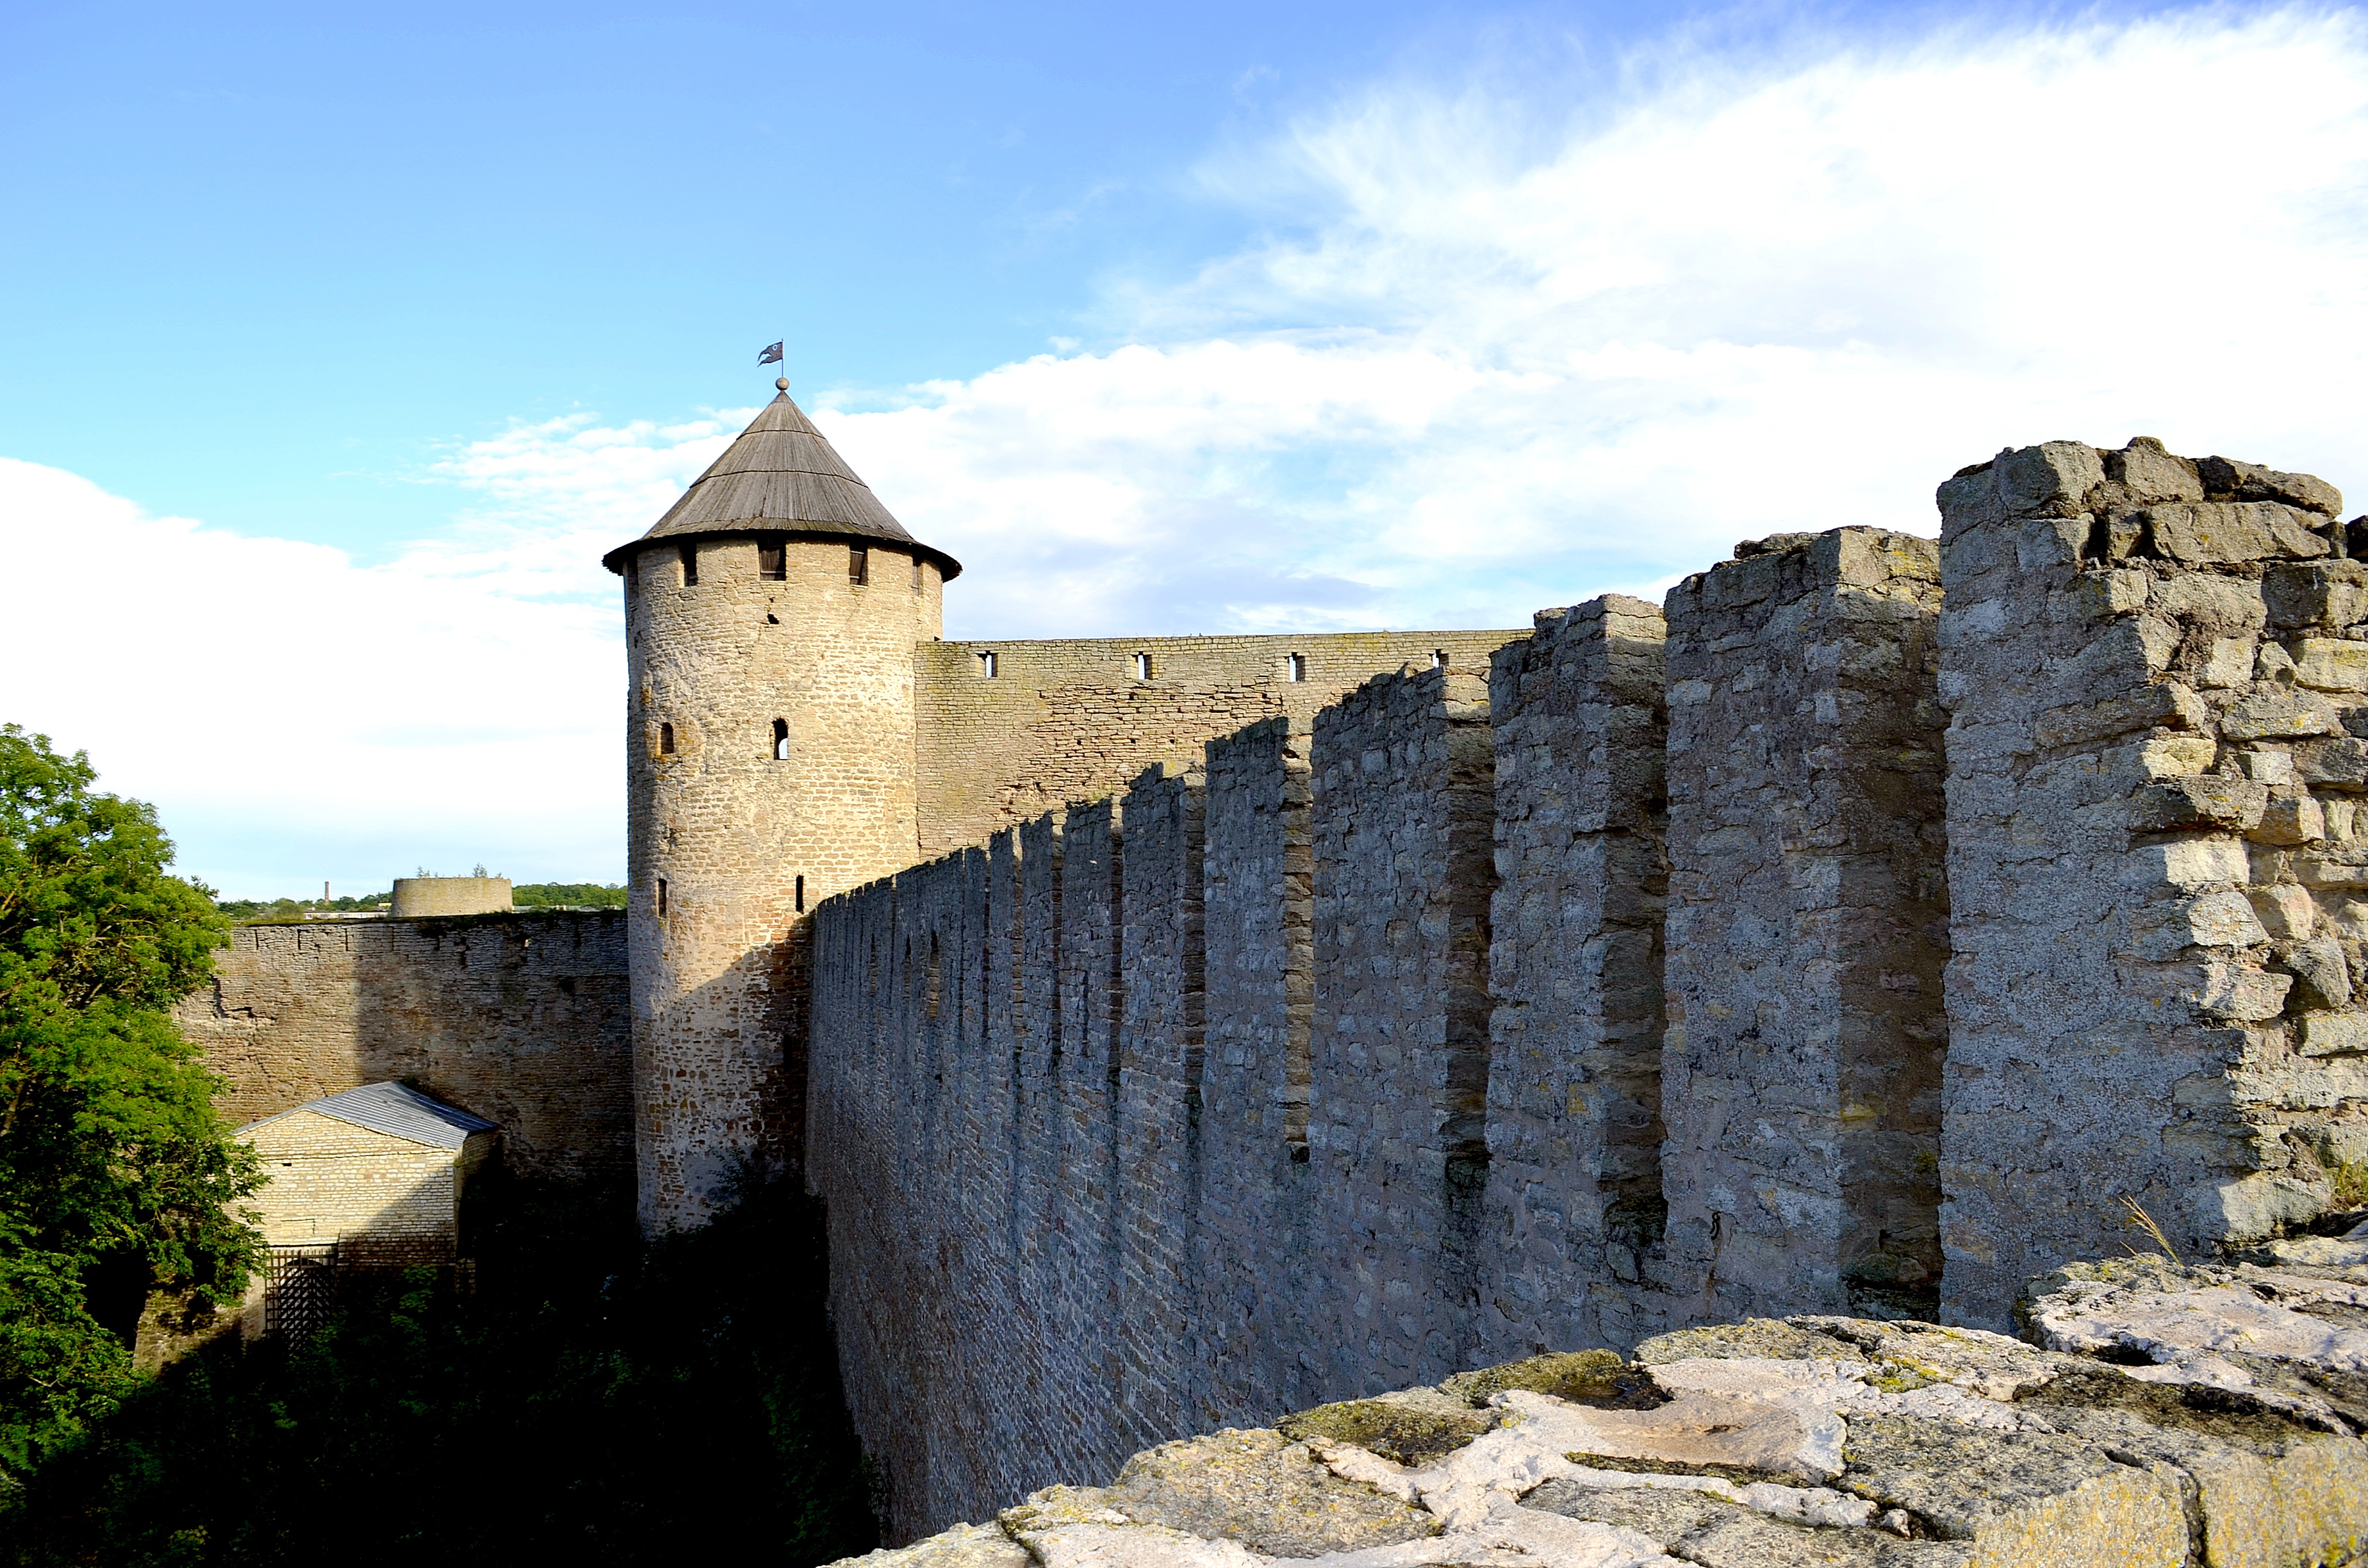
520,1019
389,1201
1070,720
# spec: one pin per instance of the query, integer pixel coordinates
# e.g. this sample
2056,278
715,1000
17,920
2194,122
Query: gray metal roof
397,1110
781,476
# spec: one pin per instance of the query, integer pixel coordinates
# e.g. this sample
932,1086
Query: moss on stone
1598,1378
1752,1339
1401,1433
2188,1407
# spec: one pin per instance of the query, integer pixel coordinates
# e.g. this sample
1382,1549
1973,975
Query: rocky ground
2155,1414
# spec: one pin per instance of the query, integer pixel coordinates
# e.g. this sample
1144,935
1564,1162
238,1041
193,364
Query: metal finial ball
782,382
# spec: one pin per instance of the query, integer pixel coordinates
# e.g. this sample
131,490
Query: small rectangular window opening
916,574
772,561
780,740
802,895
986,664
662,895
1295,666
633,569
689,565
858,564
1143,666
665,740
1438,658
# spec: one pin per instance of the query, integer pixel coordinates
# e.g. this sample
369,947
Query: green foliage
595,1403
545,895
115,1174
273,911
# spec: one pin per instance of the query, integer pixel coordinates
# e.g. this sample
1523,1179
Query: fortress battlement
1853,934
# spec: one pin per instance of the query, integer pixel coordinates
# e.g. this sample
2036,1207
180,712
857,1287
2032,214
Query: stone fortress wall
521,1018
1057,721
1853,934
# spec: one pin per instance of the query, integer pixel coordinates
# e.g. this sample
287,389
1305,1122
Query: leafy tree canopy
116,1174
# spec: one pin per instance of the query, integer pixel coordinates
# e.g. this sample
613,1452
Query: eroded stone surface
2023,1497
1717,1533
1263,1491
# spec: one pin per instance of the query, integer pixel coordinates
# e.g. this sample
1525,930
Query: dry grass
2138,1219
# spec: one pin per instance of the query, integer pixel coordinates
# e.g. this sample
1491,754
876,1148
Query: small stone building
378,1170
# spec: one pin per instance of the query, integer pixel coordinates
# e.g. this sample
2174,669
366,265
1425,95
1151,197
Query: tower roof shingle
781,476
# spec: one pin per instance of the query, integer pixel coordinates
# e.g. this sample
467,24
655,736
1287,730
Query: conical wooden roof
780,476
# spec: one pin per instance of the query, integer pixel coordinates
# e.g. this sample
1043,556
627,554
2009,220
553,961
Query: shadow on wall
735,1107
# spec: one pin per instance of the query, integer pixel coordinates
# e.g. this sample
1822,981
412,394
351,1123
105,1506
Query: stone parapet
1397,1119
1807,927
2156,669
1575,969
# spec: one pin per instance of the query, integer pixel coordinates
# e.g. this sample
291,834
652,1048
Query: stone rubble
2159,1415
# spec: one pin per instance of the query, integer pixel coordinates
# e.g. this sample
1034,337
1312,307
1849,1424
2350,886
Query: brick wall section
1575,1211
393,1202
1158,1164
1070,720
1401,815
1256,1185
520,1019
1806,927
2155,669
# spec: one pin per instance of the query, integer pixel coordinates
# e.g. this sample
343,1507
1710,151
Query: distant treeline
527,895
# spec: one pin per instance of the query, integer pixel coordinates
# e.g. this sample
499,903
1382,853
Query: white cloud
1500,350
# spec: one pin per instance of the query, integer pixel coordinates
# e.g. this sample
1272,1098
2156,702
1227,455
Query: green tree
116,1176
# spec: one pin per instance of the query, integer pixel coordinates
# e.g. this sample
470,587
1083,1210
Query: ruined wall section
1075,719
1806,928
1576,1211
1403,808
2156,670
520,1019
1256,1194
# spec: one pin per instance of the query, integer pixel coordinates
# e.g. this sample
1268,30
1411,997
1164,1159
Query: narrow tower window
633,570
986,663
1438,658
662,895
802,895
1143,666
689,565
1295,666
665,740
780,740
916,574
858,563
772,560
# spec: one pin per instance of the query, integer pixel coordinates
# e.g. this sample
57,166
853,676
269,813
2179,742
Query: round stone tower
770,617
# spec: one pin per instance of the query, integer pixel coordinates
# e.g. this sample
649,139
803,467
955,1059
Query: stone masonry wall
520,1019
1608,1000
1397,1137
389,1201
1807,927
2156,671
1256,1195
1575,954
1072,721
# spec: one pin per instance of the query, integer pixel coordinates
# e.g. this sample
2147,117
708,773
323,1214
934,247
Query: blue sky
347,343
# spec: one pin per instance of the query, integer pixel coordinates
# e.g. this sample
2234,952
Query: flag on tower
771,356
